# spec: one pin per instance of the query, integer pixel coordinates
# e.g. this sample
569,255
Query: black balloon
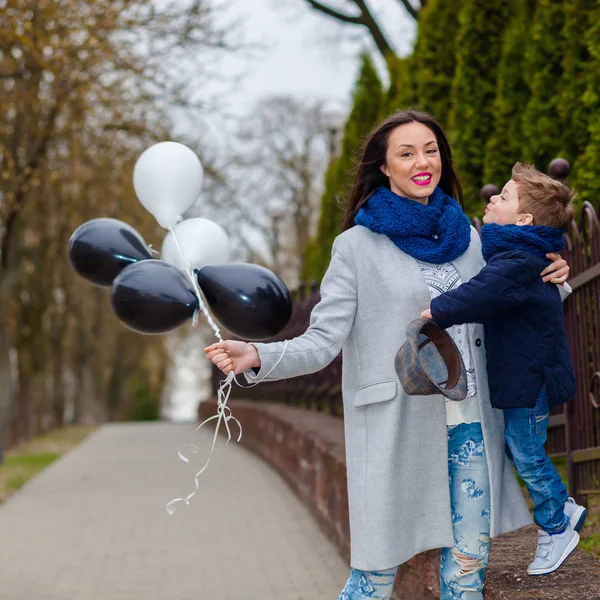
248,300
101,248
152,296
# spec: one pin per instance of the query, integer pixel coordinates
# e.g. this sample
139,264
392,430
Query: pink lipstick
422,178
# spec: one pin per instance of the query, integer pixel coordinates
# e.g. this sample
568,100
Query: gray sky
299,51
309,54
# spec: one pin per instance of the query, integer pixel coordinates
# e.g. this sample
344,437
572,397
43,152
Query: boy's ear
525,219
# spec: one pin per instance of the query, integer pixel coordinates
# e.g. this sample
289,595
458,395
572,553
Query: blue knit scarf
532,239
437,232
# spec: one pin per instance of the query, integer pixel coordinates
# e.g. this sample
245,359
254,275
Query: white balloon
167,179
202,242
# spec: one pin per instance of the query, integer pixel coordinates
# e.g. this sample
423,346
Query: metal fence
582,321
574,429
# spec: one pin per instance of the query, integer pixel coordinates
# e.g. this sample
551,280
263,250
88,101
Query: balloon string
201,306
223,416
223,411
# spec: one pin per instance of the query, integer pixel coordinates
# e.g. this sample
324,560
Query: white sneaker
552,551
576,514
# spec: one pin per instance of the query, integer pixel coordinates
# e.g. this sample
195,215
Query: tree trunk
7,382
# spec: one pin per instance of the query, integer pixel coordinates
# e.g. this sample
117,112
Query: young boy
528,358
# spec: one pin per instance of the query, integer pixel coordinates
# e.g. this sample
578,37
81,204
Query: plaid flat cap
430,363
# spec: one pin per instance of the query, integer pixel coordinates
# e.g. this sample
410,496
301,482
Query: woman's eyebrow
411,146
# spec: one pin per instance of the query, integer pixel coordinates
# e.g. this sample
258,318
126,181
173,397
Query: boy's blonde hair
549,201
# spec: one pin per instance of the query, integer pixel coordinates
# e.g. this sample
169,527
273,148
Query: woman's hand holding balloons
230,355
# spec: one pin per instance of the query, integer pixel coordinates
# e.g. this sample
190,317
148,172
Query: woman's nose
493,199
422,160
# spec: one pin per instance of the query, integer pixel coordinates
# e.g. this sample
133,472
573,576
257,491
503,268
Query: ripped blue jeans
462,567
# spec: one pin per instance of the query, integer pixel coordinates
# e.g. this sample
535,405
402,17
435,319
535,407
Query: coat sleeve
500,286
330,323
565,291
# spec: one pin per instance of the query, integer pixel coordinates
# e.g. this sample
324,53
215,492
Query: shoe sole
578,519
562,559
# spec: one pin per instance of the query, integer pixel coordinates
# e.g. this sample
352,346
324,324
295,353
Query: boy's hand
426,314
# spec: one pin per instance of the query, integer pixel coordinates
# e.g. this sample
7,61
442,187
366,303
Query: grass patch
31,460
590,545
23,463
16,482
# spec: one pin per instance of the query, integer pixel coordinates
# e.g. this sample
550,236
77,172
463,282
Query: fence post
487,191
559,169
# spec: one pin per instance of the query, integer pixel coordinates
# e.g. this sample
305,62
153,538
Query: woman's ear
384,170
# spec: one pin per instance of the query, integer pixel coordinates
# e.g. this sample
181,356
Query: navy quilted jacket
526,344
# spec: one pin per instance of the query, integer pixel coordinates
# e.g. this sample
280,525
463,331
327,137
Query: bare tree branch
366,19
413,12
356,20
375,30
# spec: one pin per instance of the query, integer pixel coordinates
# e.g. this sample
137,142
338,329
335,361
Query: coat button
478,342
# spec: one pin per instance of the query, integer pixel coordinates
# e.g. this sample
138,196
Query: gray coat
396,444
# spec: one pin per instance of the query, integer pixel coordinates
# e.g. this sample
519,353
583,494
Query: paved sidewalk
93,526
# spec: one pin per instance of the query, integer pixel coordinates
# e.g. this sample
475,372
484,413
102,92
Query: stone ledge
507,579
307,449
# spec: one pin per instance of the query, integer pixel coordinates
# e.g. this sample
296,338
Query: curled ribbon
223,415
223,411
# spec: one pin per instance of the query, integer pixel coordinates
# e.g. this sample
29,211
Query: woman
405,240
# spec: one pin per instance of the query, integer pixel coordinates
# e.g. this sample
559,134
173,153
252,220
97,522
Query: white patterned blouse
443,278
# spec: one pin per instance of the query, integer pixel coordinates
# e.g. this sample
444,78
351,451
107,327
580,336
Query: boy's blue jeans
462,567
526,432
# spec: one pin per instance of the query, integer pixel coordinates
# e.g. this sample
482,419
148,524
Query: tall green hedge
575,113
368,99
401,93
586,180
541,119
478,51
434,60
504,145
